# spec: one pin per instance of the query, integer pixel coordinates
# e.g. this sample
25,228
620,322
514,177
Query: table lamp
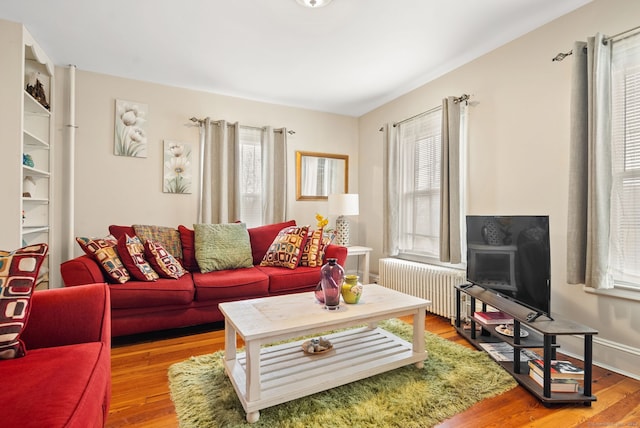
343,204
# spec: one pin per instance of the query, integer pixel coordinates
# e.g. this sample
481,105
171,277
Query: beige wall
120,190
518,156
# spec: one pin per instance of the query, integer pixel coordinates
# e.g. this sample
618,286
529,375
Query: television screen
509,255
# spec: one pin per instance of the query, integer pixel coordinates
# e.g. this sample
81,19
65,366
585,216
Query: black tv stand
542,334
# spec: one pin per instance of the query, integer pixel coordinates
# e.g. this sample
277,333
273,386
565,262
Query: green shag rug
452,380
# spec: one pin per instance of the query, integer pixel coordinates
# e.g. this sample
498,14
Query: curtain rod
615,38
461,98
217,122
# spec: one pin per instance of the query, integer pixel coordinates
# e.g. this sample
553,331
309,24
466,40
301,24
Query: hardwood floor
140,392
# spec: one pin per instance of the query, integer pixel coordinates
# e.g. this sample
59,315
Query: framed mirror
320,174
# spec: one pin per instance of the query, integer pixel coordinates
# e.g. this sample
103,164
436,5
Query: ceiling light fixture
314,4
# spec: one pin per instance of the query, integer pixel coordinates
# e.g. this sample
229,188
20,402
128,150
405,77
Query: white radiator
429,282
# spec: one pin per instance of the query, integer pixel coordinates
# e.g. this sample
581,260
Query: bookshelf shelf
542,334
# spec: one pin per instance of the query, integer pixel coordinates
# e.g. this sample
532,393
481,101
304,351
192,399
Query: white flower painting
177,167
130,134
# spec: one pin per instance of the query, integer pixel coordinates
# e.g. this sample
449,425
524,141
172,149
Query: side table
357,250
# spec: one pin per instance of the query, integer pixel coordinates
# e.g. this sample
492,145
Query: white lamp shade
344,204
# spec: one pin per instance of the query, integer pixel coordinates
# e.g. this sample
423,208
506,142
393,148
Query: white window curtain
590,166
243,174
422,193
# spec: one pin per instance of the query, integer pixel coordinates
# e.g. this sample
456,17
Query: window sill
615,292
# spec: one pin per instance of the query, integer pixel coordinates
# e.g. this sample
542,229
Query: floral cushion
18,274
131,251
162,261
103,250
286,247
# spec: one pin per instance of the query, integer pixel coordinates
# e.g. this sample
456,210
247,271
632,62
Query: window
419,195
251,193
625,198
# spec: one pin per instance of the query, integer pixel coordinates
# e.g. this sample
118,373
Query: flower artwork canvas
130,133
177,167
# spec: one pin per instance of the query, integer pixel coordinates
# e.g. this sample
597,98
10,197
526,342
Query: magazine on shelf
557,385
559,369
501,351
493,317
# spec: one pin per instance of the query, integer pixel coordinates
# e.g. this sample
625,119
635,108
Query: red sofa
138,306
64,380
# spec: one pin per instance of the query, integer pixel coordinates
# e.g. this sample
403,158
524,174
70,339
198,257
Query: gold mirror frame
303,161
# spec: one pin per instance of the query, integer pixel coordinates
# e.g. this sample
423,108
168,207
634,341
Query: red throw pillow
119,231
313,252
18,275
188,241
262,237
131,252
162,261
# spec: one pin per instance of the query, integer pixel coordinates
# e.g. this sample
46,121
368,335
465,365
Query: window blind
625,200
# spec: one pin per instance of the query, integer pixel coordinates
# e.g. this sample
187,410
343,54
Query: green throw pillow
222,246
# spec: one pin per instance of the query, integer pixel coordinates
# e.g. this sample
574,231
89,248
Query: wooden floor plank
140,391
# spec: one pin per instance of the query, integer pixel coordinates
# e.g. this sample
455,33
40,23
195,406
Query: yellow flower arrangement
321,221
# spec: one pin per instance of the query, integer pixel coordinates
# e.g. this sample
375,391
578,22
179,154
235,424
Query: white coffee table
265,377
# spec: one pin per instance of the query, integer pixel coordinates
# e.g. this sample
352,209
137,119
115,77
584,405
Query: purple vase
331,279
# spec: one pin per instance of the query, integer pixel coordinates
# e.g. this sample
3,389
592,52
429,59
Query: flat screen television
509,255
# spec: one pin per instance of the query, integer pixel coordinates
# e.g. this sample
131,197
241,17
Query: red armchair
64,380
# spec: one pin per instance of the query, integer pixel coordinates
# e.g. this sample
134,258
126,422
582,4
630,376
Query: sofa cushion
262,237
286,280
188,241
162,261
103,250
286,247
135,294
231,284
131,252
18,274
55,387
222,246
167,236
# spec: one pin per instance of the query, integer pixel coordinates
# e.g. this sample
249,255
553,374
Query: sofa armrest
80,271
336,252
67,316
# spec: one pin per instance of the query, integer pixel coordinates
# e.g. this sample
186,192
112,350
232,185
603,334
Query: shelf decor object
342,205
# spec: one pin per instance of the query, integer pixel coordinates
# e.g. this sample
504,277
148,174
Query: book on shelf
559,369
501,351
493,317
557,385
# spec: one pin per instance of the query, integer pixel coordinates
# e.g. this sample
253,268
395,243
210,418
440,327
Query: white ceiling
348,57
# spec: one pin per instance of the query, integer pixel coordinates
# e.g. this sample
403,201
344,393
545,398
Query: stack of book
493,317
564,375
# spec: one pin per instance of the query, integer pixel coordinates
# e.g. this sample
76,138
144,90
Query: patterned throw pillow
312,249
131,253
286,247
18,274
162,261
222,246
167,236
103,250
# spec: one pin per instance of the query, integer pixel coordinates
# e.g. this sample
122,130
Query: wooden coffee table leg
418,335
253,417
230,349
